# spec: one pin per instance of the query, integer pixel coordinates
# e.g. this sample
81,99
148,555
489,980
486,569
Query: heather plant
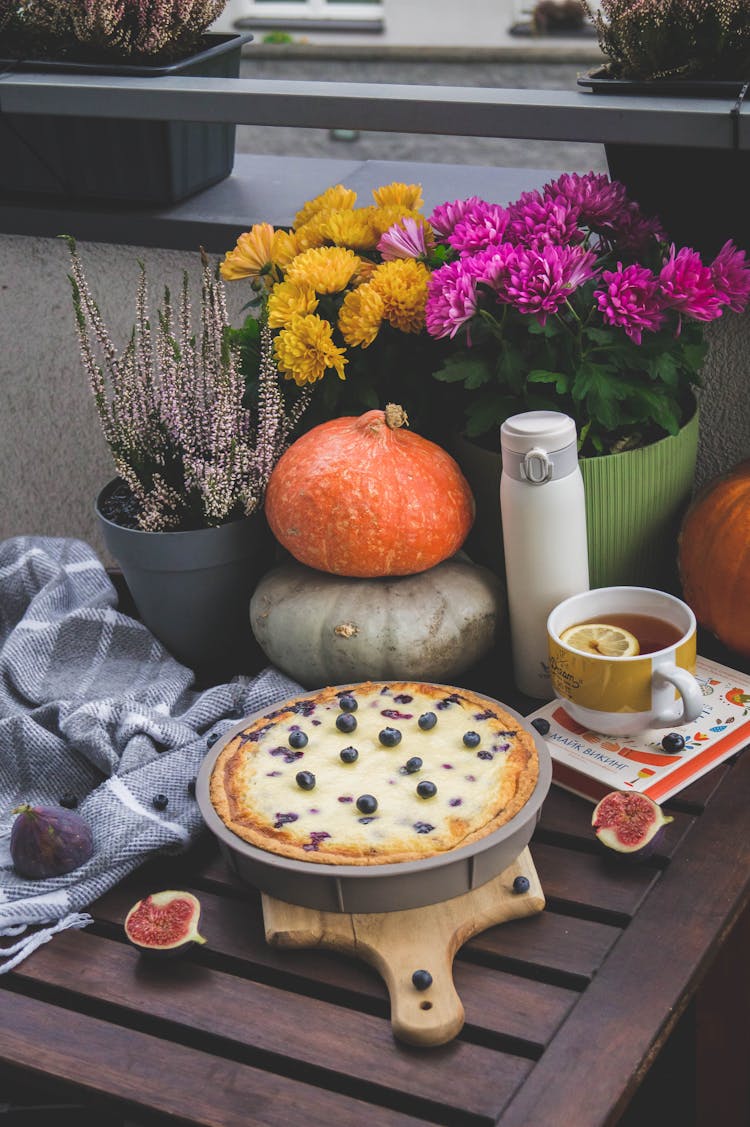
652,39
8,8
172,411
570,299
123,28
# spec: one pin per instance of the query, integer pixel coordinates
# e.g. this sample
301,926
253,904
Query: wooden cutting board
398,943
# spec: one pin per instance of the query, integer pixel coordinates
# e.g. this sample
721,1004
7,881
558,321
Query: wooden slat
155,1075
632,1004
562,944
595,885
496,1002
339,1047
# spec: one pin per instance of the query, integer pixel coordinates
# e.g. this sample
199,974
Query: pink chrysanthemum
687,285
730,275
406,239
536,219
445,217
634,232
491,267
451,299
631,300
598,199
482,226
542,279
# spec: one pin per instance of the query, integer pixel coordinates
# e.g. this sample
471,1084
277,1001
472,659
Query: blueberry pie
414,788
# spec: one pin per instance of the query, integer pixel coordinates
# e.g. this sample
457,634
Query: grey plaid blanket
92,705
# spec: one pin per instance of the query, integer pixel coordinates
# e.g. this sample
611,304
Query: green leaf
487,411
462,368
549,329
663,368
561,380
599,336
511,369
603,391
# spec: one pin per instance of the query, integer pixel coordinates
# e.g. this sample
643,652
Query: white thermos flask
544,534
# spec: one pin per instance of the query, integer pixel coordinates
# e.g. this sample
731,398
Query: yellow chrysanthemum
304,350
402,284
384,217
288,300
364,271
361,316
403,195
314,233
336,198
352,229
284,248
326,269
252,254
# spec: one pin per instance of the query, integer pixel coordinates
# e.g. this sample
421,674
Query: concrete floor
564,156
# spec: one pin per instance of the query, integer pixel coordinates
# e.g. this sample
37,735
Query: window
313,9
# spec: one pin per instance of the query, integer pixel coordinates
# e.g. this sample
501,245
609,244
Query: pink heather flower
687,285
542,279
482,226
634,232
598,199
631,300
537,219
451,299
730,275
445,217
405,239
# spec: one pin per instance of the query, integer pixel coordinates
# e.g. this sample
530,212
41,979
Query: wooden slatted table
578,1017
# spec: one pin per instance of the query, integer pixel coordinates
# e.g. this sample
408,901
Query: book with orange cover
592,765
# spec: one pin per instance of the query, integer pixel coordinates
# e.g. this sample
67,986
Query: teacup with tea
622,659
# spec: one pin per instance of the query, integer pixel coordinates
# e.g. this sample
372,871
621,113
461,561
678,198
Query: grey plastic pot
192,589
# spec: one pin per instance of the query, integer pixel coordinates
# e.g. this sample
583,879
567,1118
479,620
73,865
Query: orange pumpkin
714,558
364,497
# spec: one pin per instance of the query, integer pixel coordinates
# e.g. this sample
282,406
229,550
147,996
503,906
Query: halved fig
164,923
629,823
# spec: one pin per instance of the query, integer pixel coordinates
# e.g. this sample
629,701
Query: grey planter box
132,162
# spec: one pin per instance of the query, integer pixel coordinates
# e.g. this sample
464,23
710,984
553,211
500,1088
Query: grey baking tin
376,888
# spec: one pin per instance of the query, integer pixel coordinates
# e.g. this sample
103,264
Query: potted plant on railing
184,517
690,48
570,299
130,161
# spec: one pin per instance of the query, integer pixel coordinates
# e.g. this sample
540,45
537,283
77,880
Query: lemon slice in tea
599,638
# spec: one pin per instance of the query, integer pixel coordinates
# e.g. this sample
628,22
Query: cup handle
689,690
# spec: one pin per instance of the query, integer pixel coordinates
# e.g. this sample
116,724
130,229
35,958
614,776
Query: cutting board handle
399,943
420,1017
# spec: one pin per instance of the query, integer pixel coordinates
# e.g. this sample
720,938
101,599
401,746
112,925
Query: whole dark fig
47,841
164,923
629,823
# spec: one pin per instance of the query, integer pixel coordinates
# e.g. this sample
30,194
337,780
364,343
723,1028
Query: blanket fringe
21,950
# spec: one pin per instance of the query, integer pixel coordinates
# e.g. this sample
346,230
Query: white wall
445,23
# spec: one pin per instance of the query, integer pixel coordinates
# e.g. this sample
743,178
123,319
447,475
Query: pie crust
482,765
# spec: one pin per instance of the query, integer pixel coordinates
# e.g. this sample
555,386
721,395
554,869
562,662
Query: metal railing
561,115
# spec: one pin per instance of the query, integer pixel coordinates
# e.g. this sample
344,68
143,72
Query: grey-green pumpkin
326,629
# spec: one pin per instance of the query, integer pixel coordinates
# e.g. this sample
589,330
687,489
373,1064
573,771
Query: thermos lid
539,446
531,430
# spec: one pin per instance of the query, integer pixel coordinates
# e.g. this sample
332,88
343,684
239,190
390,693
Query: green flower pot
635,502
634,505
